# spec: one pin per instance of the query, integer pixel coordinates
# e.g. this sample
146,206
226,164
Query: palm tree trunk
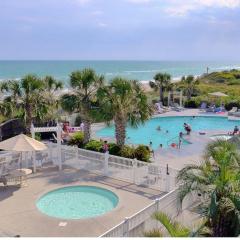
28,110
86,130
120,131
161,94
189,94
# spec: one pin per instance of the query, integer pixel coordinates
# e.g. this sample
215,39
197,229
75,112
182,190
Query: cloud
97,13
102,24
139,1
177,8
82,2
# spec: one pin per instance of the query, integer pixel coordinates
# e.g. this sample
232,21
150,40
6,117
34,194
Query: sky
120,29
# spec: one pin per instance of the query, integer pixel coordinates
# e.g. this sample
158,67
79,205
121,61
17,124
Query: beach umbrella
22,143
218,94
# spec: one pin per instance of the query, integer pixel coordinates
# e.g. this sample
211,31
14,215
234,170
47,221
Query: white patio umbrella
22,143
218,94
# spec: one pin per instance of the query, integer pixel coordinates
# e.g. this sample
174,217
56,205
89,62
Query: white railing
141,221
130,170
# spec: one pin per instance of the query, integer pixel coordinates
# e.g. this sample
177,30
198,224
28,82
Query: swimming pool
77,202
147,132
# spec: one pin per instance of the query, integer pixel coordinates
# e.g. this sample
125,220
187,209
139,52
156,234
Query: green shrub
127,152
192,103
114,149
142,153
78,120
38,136
94,145
77,139
233,103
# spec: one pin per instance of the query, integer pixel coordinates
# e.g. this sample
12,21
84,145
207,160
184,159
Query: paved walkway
19,215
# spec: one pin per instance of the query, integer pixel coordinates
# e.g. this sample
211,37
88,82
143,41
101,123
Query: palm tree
189,84
26,97
161,82
85,84
126,102
51,87
216,180
174,228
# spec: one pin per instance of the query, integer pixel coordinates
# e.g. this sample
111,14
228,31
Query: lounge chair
233,110
203,106
211,109
158,108
176,107
236,114
167,109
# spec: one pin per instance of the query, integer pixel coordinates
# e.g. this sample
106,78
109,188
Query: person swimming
235,130
187,128
151,149
158,128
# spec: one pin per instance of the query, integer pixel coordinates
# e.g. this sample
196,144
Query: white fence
130,170
142,221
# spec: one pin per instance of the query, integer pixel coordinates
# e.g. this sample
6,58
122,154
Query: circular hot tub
77,202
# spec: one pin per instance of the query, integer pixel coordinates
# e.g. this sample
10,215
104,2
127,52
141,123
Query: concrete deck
19,215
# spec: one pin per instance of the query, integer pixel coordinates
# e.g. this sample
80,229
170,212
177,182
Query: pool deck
188,154
19,215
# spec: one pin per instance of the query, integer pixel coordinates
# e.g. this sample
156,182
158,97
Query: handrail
170,140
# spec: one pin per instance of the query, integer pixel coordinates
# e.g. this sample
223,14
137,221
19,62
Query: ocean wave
225,67
142,71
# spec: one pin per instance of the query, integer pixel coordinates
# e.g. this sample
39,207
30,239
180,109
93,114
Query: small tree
217,181
85,84
161,82
27,97
189,84
125,102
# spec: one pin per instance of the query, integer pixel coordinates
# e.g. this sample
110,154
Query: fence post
59,146
106,157
50,149
34,162
126,227
167,187
157,200
157,204
134,170
32,131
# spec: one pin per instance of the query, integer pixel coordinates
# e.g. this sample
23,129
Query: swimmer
187,128
151,149
235,130
160,145
158,128
167,131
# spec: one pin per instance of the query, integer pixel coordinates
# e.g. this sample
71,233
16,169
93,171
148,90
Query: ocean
139,70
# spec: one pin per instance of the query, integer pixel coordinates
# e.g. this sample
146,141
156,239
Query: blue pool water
147,132
77,202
